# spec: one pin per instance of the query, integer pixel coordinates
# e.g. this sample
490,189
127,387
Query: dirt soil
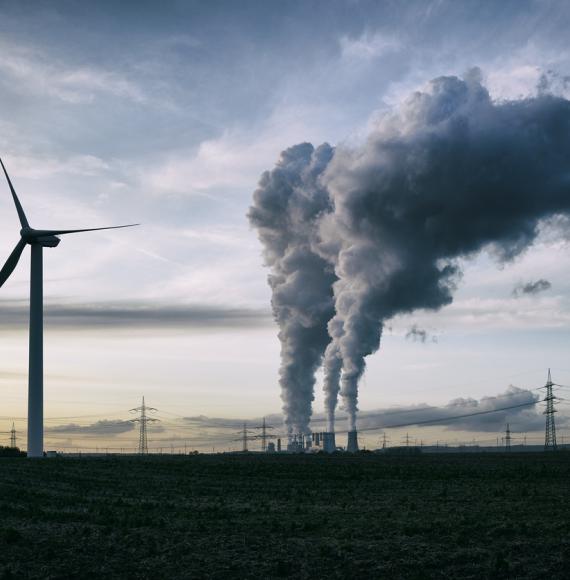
252,516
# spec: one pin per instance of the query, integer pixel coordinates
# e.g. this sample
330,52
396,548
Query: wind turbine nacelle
47,241
43,238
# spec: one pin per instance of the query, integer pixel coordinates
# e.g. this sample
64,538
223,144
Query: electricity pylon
550,431
142,421
264,435
13,437
508,439
245,437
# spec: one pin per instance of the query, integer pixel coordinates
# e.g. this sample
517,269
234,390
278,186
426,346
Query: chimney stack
329,443
352,446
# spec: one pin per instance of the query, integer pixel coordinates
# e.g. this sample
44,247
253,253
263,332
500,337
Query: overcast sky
120,112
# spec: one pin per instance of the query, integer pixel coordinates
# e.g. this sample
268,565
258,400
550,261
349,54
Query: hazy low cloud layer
522,415
104,427
531,288
139,315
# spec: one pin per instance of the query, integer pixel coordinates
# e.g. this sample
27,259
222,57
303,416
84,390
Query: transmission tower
13,437
508,439
550,432
244,437
142,420
264,435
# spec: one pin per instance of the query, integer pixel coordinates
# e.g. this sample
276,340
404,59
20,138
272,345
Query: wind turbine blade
38,233
11,262
23,220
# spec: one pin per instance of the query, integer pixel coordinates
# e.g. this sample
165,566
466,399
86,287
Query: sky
115,113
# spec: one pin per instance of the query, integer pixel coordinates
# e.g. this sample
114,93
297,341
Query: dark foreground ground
438,516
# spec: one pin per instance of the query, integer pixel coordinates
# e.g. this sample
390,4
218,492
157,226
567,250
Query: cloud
519,407
531,288
103,427
142,315
32,70
369,46
35,167
489,414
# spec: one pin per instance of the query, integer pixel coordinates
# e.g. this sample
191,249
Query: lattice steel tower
13,437
265,435
142,421
508,438
550,433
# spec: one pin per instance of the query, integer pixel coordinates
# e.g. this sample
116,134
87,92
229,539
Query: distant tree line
11,452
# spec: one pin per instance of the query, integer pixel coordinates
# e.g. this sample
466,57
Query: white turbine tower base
37,239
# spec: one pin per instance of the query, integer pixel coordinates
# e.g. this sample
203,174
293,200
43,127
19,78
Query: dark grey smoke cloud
140,315
417,334
286,208
448,175
531,288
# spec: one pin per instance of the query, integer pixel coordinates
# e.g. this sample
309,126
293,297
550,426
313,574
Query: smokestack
352,446
329,442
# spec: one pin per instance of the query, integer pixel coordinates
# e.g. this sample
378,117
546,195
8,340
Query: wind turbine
38,240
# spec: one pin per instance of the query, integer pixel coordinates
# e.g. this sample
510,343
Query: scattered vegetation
11,452
250,516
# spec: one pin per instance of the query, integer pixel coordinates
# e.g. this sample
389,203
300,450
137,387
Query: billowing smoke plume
287,206
451,173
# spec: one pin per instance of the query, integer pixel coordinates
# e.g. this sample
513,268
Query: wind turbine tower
38,240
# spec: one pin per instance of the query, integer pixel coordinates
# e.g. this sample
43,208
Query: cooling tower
352,446
329,443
